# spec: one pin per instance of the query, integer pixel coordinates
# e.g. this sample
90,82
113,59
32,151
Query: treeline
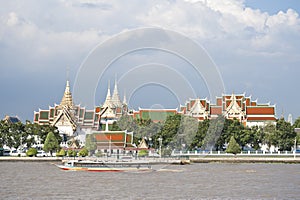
186,133
16,135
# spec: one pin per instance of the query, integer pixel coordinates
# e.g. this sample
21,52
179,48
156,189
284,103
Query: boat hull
106,168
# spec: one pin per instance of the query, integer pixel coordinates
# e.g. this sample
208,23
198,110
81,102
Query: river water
42,180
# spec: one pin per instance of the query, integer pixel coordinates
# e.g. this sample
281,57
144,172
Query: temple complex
75,121
238,106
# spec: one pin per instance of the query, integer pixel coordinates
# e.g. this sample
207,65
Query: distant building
238,106
114,142
11,119
75,121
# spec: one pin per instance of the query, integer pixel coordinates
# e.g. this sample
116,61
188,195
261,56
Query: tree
297,125
186,133
198,140
233,147
51,143
168,131
286,135
90,143
215,137
269,135
45,129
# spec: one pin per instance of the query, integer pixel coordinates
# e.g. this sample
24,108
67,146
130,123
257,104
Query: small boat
105,166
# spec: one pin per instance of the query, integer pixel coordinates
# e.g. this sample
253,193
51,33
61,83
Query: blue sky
254,44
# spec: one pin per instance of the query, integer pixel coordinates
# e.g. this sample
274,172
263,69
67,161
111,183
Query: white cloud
41,33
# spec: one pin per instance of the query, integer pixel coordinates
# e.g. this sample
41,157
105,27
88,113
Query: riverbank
208,159
30,159
178,161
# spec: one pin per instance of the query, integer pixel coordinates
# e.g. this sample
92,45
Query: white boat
105,166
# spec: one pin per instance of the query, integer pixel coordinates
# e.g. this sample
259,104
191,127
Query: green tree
233,147
198,140
255,137
115,127
286,135
168,131
215,138
269,135
186,133
4,131
51,143
90,143
45,129
297,125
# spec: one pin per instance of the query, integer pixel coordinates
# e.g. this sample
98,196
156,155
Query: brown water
34,180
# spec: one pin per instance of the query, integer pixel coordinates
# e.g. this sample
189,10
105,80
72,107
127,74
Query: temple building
114,142
11,119
238,106
76,121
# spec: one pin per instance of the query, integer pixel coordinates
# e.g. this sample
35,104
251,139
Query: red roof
216,110
260,110
261,119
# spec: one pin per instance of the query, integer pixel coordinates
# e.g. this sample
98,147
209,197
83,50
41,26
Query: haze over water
32,180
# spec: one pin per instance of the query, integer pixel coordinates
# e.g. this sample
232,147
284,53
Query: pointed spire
115,98
107,102
67,99
124,99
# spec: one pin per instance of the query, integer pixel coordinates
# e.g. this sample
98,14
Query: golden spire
67,100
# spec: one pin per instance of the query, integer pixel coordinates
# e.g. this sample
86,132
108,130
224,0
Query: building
76,121
114,142
11,119
238,106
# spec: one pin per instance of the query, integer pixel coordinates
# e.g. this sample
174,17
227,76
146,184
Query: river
42,180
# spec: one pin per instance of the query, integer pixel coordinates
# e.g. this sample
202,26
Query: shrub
61,153
31,152
72,153
99,154
83,152
143,153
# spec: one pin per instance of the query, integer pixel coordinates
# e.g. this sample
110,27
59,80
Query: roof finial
124,99
68,73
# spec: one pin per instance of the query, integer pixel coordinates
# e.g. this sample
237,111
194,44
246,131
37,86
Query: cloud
245,43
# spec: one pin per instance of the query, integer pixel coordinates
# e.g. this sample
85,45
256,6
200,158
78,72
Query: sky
254,45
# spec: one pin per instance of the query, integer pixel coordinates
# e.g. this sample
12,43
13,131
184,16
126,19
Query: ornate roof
65,117
233,108
197,108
